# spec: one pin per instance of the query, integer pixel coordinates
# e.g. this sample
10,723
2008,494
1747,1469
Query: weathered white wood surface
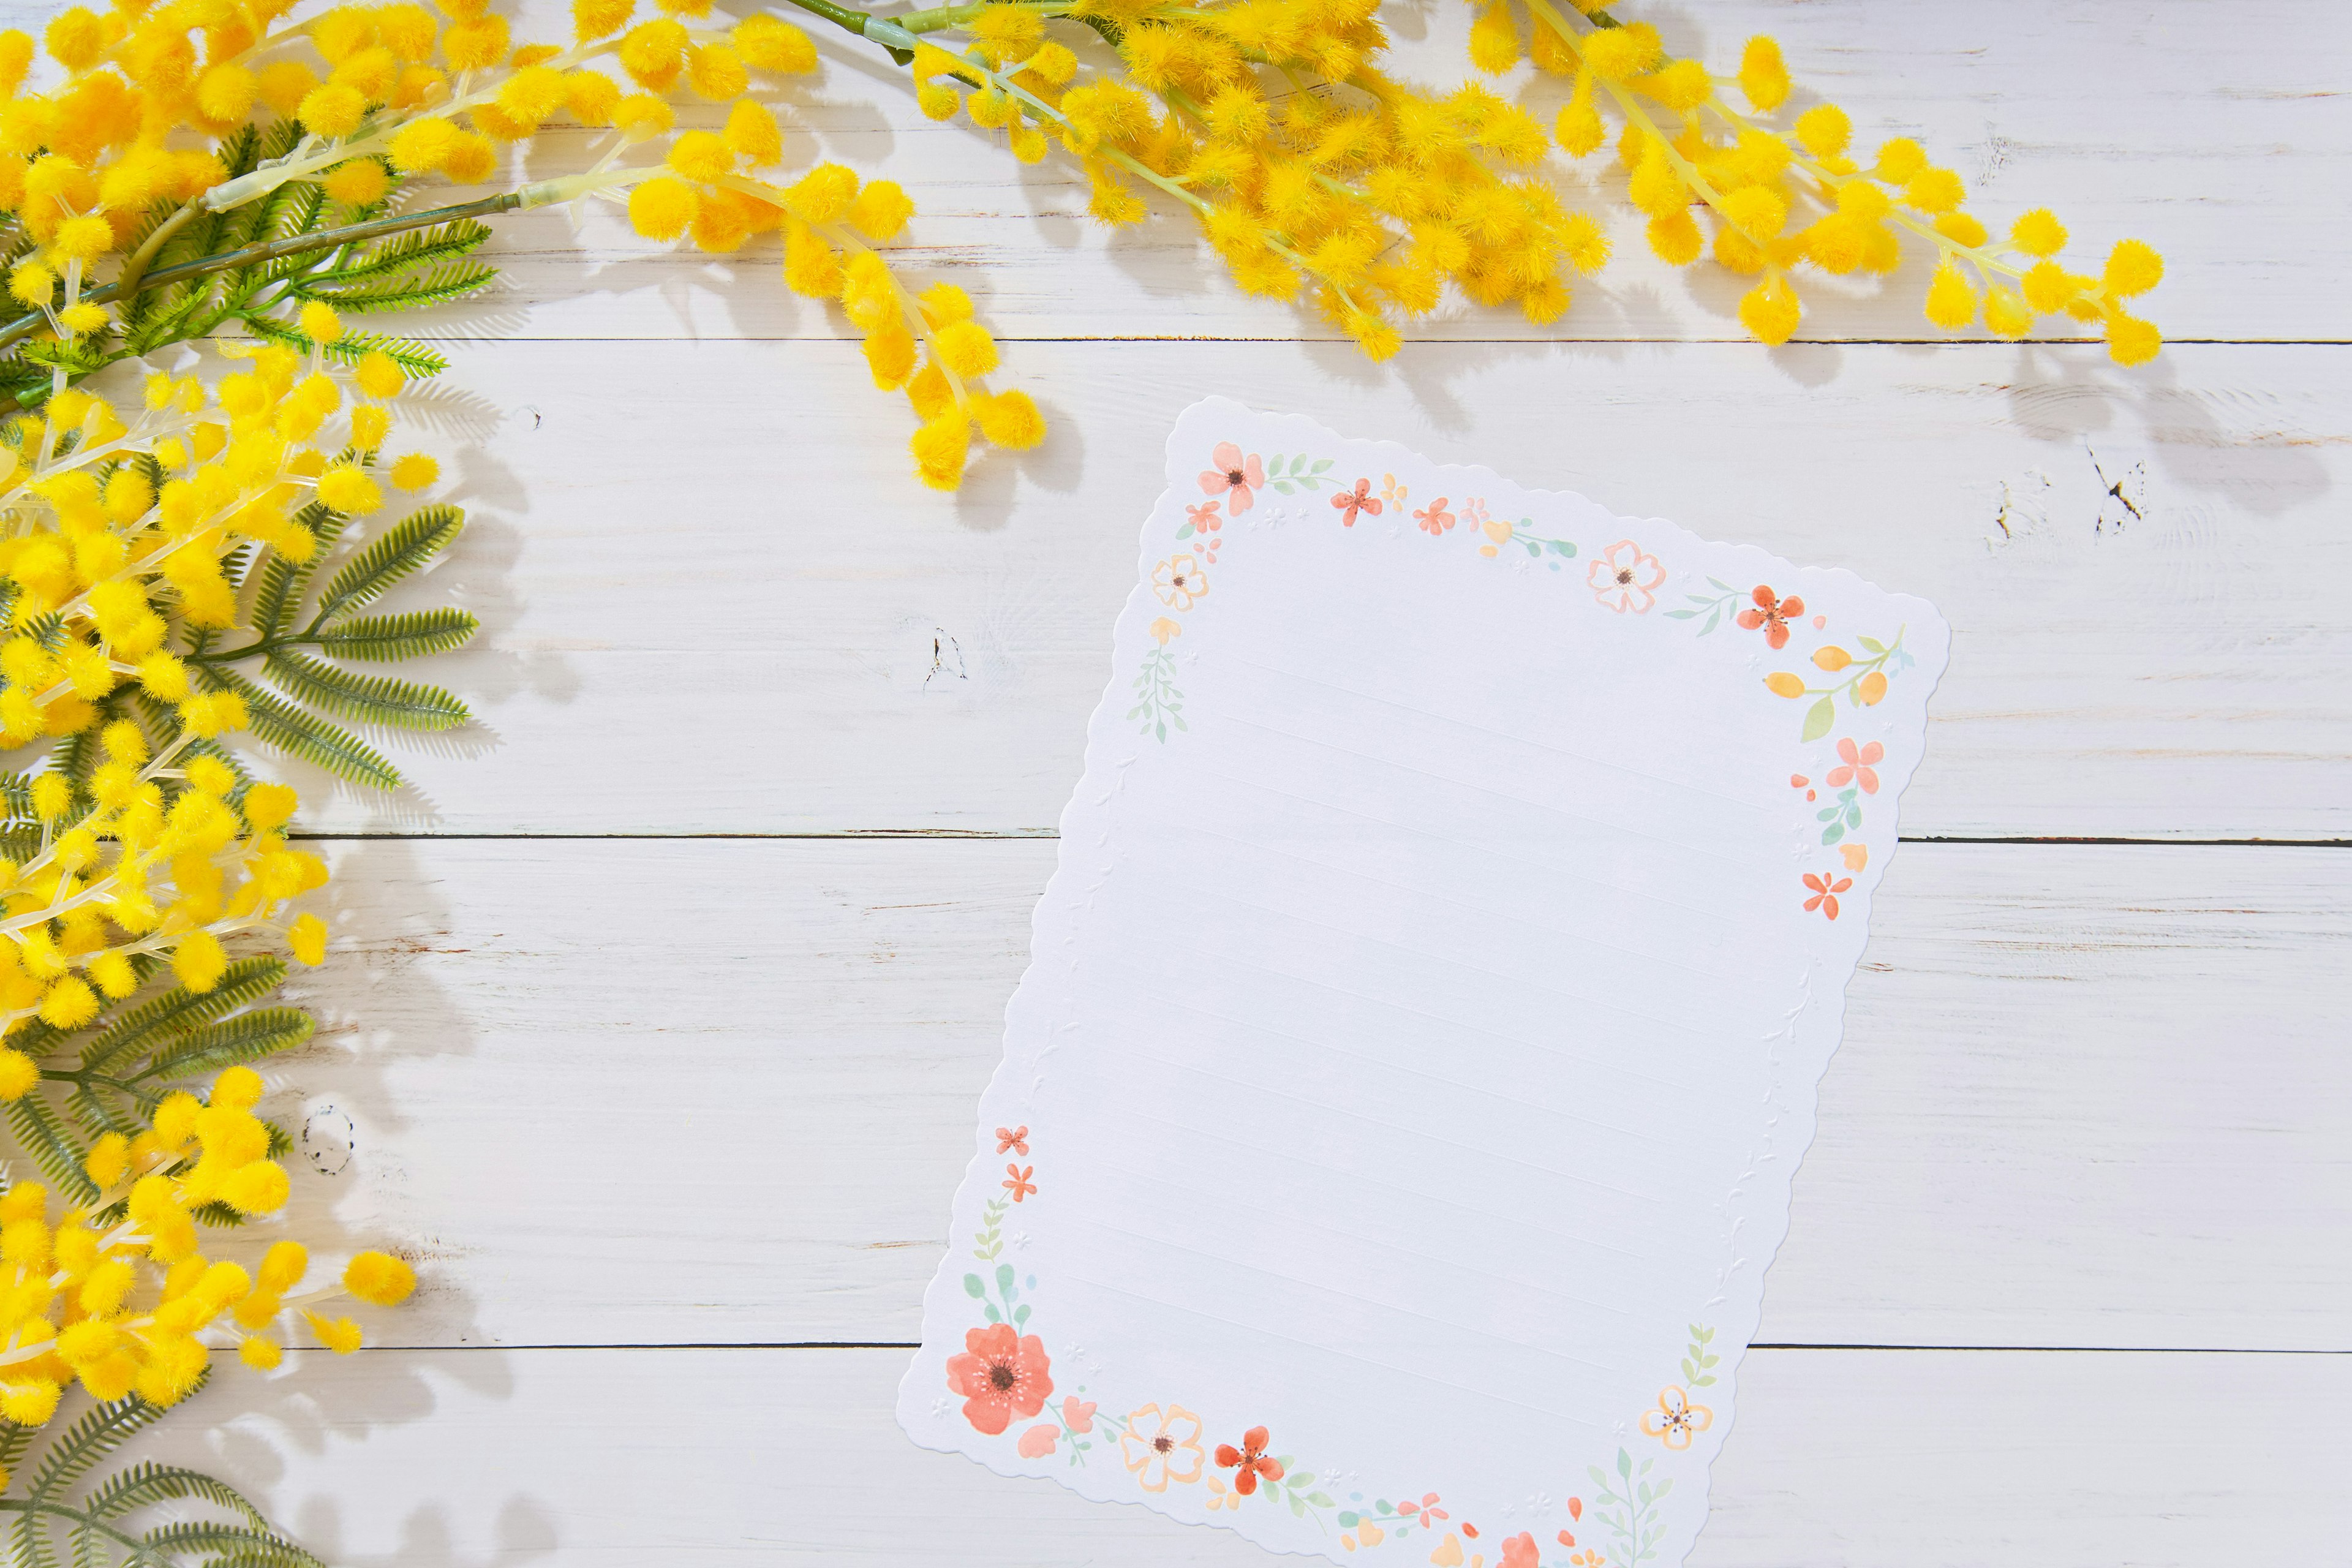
618,1096
696,1091
695,1459
709,557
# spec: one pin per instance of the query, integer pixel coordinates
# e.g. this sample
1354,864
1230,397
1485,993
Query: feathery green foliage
66,1516
312,692
401,271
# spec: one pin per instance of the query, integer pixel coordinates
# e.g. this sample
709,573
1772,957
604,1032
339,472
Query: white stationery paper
1422,1021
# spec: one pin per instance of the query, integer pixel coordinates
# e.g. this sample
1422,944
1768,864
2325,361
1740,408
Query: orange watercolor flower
1825,893
1162,1445
1676,1418
1360,500
1015,1139
1180,582
1016,1180
1773,615
1252,1460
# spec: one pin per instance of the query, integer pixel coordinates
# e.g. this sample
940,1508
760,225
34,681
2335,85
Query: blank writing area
1413,1031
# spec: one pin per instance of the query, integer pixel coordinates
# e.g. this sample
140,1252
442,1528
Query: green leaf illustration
1819,719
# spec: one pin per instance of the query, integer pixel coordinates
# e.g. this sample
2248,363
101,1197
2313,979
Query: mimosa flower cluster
1776,198
116,157
1314,172
1372,202
144,836
117,1293
136,543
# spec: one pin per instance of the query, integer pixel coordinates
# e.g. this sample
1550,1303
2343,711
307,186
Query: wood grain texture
674,1091
2147,574
695,1459
2212,139
697,1091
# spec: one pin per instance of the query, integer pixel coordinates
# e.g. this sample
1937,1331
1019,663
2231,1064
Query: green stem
848,20
126,283
57,1510
271,250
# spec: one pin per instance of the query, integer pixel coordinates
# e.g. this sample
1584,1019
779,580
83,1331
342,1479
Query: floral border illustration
1004,1378
1621,577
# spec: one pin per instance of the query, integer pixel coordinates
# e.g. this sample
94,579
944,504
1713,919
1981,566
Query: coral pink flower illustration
1001,1373
1016,1180
1624,578
1078,1415
1251,1458
1435,520
1426,1510
1236,477
1772,615
1039,1441
1014,1140
1858,768
1361,498
1519,1551
1204,517
1824,898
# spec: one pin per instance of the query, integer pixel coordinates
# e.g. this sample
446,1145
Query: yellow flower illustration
1160,1447
1163,629
1676,1418
1180,582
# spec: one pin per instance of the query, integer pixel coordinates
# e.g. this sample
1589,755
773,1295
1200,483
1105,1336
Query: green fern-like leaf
92,1517
438,285
372,698
280,598
103,1429
421,361
302,734
383,638
147,1483
230,1544
407,545
152,1026
43,1134
401,252
248,1036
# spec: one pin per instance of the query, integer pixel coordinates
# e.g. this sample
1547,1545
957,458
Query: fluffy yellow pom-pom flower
1762,75
1951,302
414,470
319,322
348,489
1770,310
340,1335
19,1073
2132,268
378,1279
662,207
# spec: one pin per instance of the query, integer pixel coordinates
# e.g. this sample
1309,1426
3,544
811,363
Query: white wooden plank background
670,1120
